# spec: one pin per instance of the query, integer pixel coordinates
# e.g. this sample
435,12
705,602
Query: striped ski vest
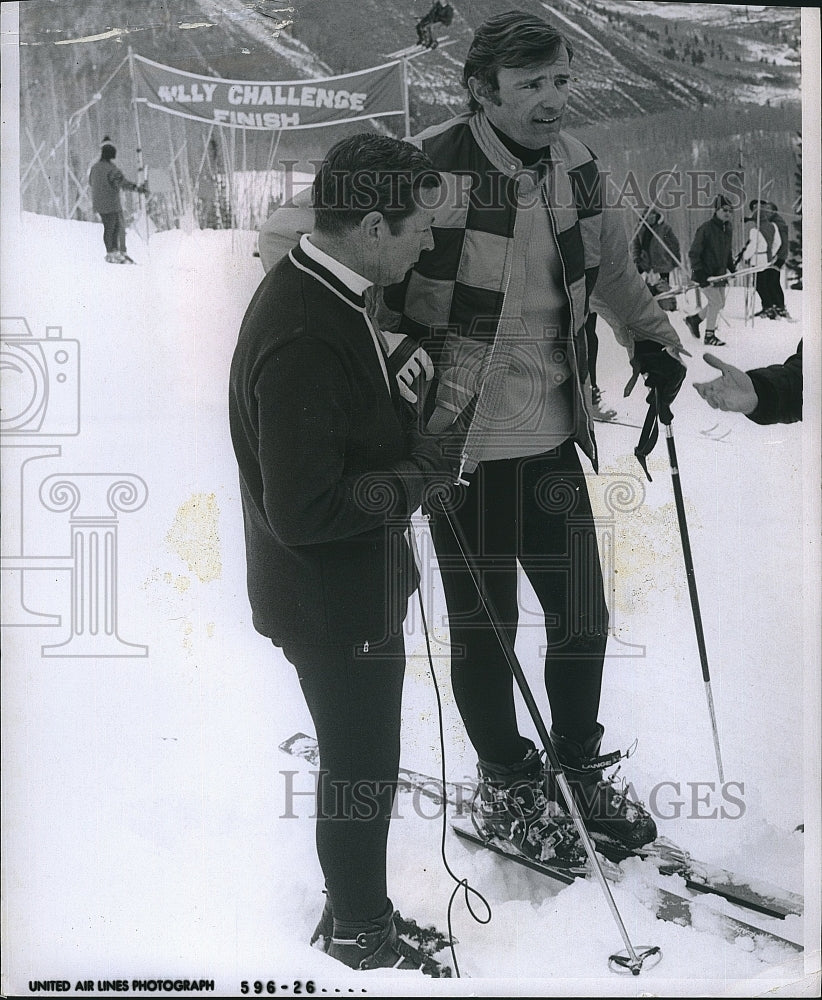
463,299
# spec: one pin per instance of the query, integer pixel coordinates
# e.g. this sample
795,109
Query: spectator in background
764,243
771,395
711,257
655,251
107,180
780,259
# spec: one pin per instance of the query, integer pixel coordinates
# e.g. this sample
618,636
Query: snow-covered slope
149,832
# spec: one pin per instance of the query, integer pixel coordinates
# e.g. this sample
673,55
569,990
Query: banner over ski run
271,105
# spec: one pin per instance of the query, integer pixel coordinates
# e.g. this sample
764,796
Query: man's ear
482,92
371,225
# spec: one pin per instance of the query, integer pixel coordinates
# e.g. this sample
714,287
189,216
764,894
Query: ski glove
664,375
428,471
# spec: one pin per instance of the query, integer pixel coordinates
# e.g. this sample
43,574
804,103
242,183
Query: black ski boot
511,804
377,944
692,322
604,805
324,930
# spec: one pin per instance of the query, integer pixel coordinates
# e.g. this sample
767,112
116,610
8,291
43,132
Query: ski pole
689,571
632,959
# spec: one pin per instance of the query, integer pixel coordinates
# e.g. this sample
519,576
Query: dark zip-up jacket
711,252
322,445
779,388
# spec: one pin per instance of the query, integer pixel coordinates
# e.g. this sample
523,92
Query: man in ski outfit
710,256
523,248
331,466
106,181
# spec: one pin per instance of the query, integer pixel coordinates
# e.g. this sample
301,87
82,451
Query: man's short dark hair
510,40
369,172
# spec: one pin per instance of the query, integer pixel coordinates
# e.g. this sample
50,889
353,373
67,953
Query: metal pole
140,167
405,100
634,960
689,570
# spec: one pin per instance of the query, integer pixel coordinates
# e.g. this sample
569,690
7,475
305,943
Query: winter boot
692,323
711,339
511,804
377,944
324,930
605,806
114,258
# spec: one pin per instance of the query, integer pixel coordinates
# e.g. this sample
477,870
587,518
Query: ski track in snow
171,851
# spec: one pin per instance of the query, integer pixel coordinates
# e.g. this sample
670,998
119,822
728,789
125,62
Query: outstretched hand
733,390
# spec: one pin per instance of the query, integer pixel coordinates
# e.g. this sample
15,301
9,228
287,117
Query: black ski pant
535,511
355,699
593,345
769,288
114,231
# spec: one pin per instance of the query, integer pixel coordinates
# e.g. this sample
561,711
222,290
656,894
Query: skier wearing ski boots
779,260
106,181
760,251
711,256
331,466
522,255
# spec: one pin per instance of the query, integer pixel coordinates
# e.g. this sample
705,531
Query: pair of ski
753,910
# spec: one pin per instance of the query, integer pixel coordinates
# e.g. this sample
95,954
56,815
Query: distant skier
711,257
761,251
780,259
106,180
655,251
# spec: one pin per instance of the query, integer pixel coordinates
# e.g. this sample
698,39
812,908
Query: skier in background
710,257
107,180
780,259
761,251
655,251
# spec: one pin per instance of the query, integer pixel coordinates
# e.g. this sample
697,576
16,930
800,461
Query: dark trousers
535,511
769,288
593,345
114,231
355,701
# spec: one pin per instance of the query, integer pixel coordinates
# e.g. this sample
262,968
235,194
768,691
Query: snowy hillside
145,796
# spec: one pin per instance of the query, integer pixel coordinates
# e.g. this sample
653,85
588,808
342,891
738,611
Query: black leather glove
664,376
429,469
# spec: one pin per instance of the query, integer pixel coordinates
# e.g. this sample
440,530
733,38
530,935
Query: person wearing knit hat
761,250
710,256
106,181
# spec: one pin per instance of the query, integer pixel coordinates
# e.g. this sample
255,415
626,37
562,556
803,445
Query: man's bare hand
733,390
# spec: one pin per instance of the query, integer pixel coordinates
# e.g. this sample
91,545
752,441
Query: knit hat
721,201
107,150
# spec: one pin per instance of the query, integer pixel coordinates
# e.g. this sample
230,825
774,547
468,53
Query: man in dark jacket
655,251
331,468
771,395
711,256
107,180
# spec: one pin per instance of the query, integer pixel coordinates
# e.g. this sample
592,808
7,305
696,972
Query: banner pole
405,101
141,174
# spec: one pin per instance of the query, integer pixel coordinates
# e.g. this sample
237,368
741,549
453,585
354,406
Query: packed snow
145,796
